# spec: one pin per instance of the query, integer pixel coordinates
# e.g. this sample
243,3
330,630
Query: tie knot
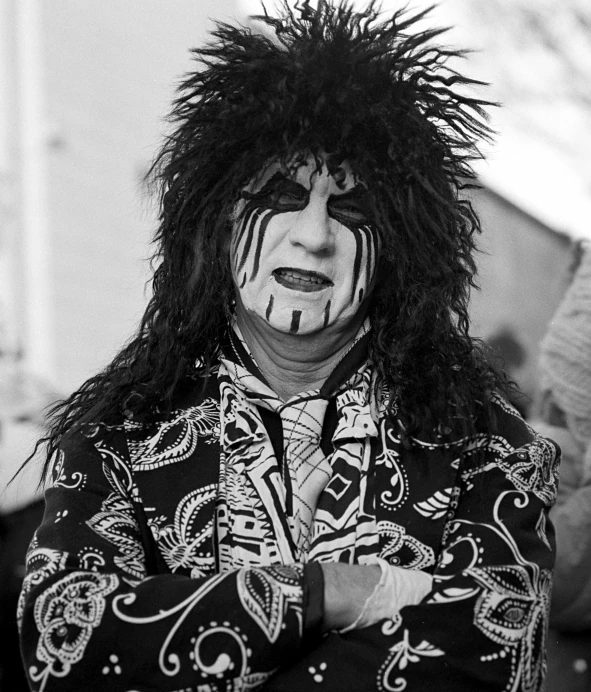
303,417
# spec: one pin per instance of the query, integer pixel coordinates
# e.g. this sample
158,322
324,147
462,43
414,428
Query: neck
295,363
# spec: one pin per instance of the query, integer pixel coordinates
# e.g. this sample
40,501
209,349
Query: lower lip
297,285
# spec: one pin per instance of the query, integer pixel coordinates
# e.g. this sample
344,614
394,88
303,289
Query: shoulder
506,422
195,402
194,397
512,449
512,436
194,411
193,420
504,431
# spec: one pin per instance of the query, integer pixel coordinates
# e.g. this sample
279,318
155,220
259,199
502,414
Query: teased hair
370,88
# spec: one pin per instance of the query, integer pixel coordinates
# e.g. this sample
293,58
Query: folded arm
483,625
92,618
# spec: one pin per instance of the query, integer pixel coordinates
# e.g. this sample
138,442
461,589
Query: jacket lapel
252,521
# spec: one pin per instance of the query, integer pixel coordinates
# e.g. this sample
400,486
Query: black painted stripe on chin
269,308
295,321
327,313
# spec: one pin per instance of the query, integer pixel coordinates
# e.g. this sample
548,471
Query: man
301,471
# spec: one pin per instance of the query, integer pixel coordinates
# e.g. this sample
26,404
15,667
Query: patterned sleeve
92,619
484,625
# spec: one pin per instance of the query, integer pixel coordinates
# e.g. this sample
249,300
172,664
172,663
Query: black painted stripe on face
269,308
327,313
365,236
295,321
373,241
357,262
247,227
360,295
261,237
371,250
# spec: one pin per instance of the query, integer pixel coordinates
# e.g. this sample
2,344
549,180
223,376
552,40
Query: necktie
305,469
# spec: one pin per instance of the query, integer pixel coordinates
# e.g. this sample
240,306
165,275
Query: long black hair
371,89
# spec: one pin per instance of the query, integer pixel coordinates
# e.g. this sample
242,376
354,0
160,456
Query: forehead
305,170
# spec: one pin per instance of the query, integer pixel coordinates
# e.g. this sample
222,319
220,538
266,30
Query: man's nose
313,228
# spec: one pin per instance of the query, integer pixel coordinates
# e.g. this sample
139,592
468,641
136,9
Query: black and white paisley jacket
124,589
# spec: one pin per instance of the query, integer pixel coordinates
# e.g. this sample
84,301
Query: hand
357,596
346,588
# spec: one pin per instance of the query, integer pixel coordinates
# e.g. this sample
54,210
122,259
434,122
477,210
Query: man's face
304,248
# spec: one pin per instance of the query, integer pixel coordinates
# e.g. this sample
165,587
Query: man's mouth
301,280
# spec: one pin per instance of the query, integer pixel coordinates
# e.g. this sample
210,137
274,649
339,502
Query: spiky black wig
376,91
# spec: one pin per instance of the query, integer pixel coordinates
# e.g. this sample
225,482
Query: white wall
110,70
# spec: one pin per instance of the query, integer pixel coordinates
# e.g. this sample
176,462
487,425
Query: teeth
299,277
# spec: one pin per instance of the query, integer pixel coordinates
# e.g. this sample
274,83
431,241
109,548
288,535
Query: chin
306,324
296,323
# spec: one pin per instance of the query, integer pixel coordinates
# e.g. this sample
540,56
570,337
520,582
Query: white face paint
304,249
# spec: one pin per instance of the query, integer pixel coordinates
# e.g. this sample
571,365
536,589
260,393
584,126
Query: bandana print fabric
317,507
345,528
304,463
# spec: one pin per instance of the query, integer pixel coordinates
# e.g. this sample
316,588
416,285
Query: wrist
346,588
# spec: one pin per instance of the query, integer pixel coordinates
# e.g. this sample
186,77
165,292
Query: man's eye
349,210
288,197
279,193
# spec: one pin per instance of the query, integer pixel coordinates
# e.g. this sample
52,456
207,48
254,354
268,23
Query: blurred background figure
564,414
